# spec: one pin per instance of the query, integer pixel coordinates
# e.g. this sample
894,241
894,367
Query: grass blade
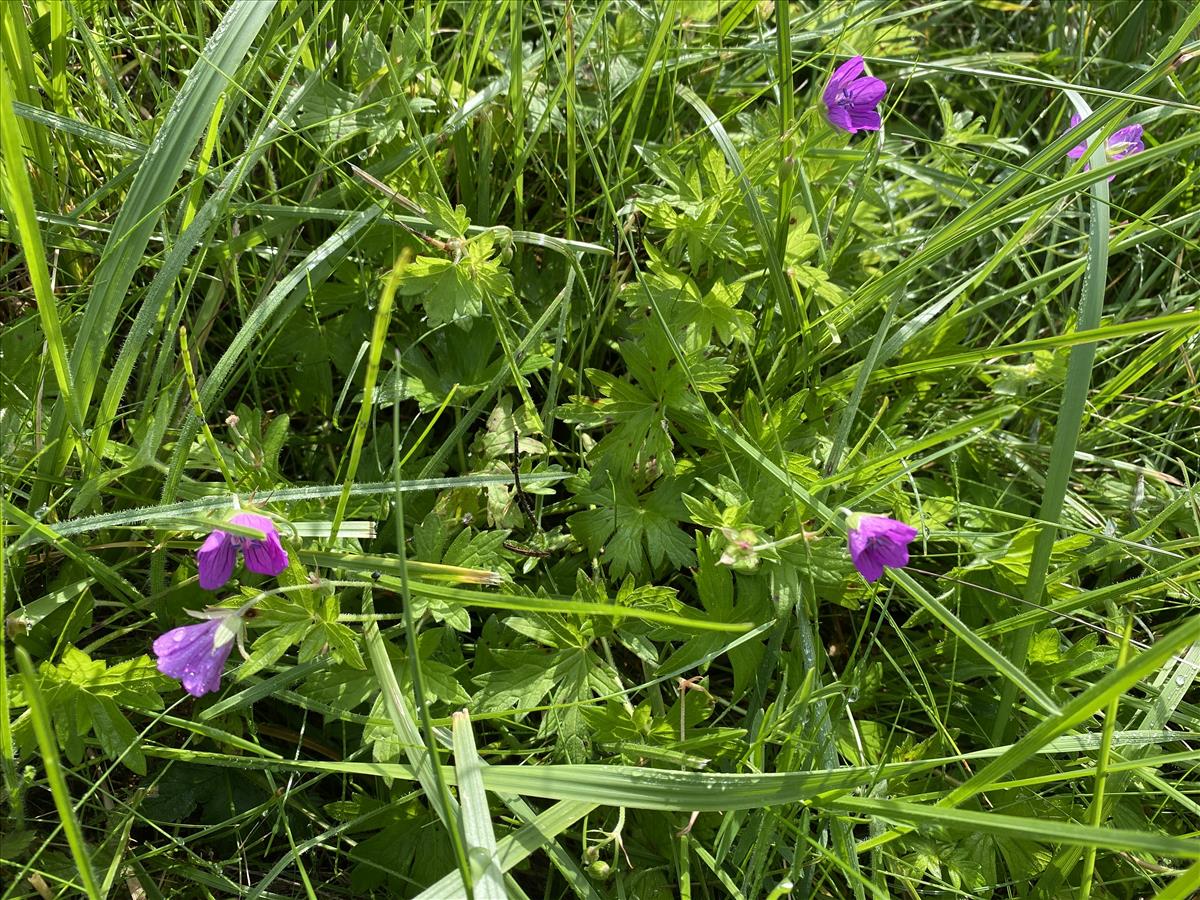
20,209
152,188
487,876
54,775
1070,420
1038,830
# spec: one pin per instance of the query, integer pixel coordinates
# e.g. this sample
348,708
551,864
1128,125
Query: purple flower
218,553
877,541
1121,143
196,654
851,97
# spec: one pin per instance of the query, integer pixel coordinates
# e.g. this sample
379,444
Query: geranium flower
1121,143
218,553
851,97
877,541
196,654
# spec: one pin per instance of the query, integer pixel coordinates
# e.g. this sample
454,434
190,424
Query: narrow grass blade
1070,420
54,775
404,720
149,515
977,219
102,572
486,874
788,304
519,846
85,130
1079,709
8,753
180,253
423,752
383,319
152,188
997,660
848,414
1029,829
16,50
267,316
672,791
1098,813
516,602
1174,323
19,206
1184,887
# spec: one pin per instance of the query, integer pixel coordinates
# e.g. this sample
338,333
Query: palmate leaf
666,377
85,696
469,548
466,361
640,410
636,534
564,720
693,316
639,432
564,679
453,290
348,688
307,619
716,590
696,208
448,221
521,680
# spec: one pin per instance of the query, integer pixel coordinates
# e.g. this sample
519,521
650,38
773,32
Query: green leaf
515,684
453,290
117,737
270,646
429,538
476,549
450,221
636,534
85,695
564,720
343,641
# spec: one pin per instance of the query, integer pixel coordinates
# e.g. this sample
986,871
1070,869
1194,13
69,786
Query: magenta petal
858,543
891,554
842,76
267,557
1077,152
215,559
864,120
839,117
892,529
847,71
187,653
1126,142
851,98
869,567
255,521
878,541
1131,134
866,91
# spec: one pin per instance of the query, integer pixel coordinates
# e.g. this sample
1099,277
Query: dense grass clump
486,411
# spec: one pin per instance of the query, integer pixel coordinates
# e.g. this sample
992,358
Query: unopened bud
740,551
